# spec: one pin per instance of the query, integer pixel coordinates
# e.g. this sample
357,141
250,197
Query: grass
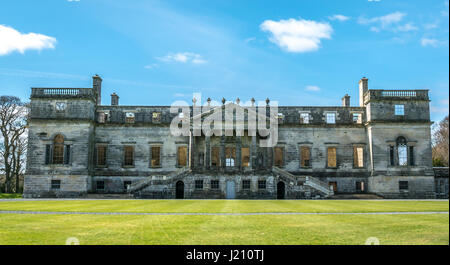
243,230
226,206
10,195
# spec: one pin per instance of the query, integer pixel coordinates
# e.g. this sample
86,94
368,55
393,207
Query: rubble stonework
84,124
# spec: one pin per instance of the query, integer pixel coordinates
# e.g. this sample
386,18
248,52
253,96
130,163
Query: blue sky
296,52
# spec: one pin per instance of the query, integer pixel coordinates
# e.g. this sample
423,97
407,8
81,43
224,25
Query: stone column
207,152
238,161
253,152
222,152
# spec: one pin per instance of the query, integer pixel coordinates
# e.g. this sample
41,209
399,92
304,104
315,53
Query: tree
13,127
440,143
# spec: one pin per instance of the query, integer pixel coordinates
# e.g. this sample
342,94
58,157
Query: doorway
280,190
179,194
231,190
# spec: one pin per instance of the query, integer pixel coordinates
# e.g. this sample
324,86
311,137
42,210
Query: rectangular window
155,156
245,152
358,157
403,185
331,118
215,156
182,156
261,184
359,186
280,118
100,185
399,110
411,156
230,156
304,118
334,186
67,154
278,153
331,157
357,118
199,184
101,155
246,184
156,117
128,156
101,117
56,184
129,117
48,151
214,184
126,184
305,156
402,155
391,155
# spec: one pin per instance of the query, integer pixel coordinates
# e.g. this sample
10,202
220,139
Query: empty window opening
331,154
279,152
56,184
156,156
101,155
215,156
305,156
245,152
246,184
331,118
358,157
128,156
214,184
182,156
199,184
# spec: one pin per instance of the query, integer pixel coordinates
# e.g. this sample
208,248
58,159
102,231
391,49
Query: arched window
58,149
57,152
402,151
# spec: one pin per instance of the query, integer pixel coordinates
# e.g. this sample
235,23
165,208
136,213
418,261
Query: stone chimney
114,99
97,86
363,88
346,101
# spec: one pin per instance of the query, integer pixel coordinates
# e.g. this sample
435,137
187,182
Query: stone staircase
165,179
309,181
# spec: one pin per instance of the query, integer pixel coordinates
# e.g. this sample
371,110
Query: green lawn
10,195
226,206
216,229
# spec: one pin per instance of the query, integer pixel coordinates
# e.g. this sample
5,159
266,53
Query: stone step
356,196
108,196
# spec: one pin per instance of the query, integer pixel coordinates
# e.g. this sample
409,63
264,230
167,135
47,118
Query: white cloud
151,66
312,88
73,0
383,21
297,35
12,40
339,17
431,42
183,57
407,27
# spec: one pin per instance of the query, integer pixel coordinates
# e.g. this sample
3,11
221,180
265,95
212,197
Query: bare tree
13,125
440,143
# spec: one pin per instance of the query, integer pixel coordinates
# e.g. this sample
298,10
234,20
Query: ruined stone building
383,146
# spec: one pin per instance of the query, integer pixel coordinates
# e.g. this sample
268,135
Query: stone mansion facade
78,146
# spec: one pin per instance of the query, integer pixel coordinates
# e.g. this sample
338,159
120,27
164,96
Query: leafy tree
440,143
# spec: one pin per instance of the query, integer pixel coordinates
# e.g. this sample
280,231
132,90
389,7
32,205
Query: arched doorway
280,190
179,194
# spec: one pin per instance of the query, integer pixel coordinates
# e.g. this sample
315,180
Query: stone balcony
40,92
381,94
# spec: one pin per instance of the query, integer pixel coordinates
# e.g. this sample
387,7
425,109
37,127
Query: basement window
126,184
56,184
214,184
100,185
246,184
403,185
261,184
199,184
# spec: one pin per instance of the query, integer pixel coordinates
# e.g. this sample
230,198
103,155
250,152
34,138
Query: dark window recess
403,185
100,185
246,184
391,155
199,184
411,156
56,184
261,184
126,183
67,155
214,184
48,150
